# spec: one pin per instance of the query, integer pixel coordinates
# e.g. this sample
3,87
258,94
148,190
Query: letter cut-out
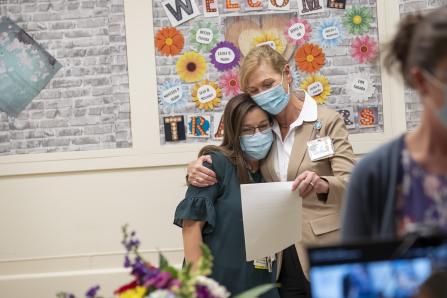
210,8
180,11
254,5
174,128
279,4
218,126
310,6
198,126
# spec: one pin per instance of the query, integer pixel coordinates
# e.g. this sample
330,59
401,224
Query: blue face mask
442,114
273,100
257,146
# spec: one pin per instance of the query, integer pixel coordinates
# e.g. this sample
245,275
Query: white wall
62,231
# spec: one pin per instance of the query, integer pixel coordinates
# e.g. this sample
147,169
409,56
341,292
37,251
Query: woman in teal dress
213,215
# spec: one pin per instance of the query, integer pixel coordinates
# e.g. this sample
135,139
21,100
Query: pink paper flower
229,82
364,49
298,31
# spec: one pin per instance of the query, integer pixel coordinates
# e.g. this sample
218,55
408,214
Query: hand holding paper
272,218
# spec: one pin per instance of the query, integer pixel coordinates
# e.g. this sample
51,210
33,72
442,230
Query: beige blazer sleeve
343,160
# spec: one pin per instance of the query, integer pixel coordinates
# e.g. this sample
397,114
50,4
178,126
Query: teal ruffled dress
220,207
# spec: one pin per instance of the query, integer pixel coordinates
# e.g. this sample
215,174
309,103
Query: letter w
179,5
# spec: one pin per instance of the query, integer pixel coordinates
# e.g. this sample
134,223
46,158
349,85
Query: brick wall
413,107
337,69
86,105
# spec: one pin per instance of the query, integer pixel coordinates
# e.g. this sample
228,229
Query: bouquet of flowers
167,281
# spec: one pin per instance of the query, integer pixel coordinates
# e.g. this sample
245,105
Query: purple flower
203,292
159,281
91,293
127,262
225,55
139,269
135,243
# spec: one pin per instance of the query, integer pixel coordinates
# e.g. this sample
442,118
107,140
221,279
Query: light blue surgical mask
442,113
257,146
273,100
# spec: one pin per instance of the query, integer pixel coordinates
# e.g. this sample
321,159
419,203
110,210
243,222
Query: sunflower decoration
310,58
206,95
191,66
358,20
318,87
272,37
203,36
364,49
169,41
229,82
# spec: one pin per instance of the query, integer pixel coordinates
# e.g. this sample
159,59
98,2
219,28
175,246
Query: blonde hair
257,56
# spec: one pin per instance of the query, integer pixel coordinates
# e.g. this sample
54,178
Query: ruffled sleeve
198,209
199,203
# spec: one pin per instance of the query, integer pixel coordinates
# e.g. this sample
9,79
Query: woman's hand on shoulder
307,182
199,175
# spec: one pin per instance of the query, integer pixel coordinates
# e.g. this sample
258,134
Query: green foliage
256,292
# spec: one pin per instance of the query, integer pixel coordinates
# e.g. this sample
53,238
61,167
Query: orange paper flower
310,58
169,41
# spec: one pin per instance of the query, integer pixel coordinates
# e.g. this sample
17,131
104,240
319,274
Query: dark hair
434,287
421,41
234,113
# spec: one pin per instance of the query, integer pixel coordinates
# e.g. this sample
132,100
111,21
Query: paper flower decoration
363,49
203,36
225,55
310,58
169,41
298,31
360,86
229,82
318,87
357,20
295,76
271,38
173,96
330,33
206,95
191,67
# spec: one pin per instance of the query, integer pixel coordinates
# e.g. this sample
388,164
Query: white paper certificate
271,217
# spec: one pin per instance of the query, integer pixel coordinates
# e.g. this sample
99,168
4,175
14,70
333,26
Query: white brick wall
86,105
413,107
338,66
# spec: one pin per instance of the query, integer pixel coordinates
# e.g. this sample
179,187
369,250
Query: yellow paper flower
206,95
191,67
270,38
318,87
138,292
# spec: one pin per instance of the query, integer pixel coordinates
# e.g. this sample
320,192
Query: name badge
261,263
320,148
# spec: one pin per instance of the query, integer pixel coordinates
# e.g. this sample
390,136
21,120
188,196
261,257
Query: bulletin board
153,73
332,48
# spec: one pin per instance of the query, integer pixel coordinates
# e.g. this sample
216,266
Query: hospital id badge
320,148
261,263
